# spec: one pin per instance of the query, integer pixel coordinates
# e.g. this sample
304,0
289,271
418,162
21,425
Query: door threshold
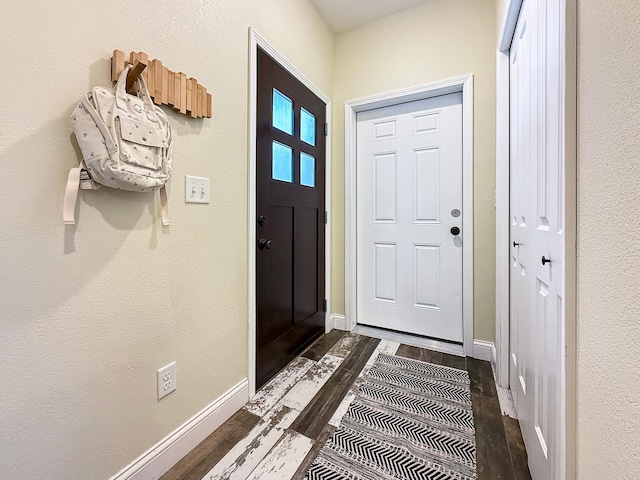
408,339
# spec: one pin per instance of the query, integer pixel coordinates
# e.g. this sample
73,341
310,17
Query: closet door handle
545,260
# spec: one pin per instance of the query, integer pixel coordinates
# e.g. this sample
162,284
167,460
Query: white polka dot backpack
126,143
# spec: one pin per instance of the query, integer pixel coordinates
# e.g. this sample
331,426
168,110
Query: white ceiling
343,15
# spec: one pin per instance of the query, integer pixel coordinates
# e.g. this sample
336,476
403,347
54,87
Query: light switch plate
196,189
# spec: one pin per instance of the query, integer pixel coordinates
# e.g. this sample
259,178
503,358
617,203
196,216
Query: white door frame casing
255,41
462,84
568,375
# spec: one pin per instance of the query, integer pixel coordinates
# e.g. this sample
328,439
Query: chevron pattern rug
409,420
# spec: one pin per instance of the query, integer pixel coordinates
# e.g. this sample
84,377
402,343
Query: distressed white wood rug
409,420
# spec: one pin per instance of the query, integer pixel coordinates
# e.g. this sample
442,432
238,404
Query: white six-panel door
409,197
537,237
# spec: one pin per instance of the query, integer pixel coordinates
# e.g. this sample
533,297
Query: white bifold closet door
537,234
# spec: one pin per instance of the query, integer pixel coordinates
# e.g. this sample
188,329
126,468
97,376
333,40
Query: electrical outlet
167,380
196,189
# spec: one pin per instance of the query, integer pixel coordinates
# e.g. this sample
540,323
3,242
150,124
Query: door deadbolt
262,220
264,244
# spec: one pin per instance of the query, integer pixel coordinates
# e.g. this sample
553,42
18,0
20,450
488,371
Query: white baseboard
159,459
483,350
339,322
328,323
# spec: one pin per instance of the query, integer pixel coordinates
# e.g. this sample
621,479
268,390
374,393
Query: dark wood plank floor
315,417
209,452
500,449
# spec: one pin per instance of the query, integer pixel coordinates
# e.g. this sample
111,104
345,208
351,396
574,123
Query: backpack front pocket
141,144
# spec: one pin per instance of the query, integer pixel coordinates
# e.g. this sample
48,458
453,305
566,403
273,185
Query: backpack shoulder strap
164,202
111,146
71,195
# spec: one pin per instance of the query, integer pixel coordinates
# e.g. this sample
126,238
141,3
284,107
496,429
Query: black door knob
262,220
455,231
516,244
545,260
264,244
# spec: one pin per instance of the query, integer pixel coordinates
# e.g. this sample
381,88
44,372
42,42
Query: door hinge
326,217
326,129
324,305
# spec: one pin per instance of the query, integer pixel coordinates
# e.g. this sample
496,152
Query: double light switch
196,190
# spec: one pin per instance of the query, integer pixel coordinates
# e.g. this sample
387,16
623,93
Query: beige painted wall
88,313
298,32
608,238
435,41
501,7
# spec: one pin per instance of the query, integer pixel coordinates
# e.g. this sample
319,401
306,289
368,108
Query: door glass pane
307,170
282,112
282,163
307,127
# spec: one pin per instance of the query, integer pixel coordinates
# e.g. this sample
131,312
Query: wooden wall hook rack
166,87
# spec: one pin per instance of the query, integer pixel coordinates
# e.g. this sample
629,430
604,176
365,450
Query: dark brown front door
290,225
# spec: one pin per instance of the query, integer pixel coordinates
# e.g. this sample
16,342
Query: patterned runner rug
409,420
